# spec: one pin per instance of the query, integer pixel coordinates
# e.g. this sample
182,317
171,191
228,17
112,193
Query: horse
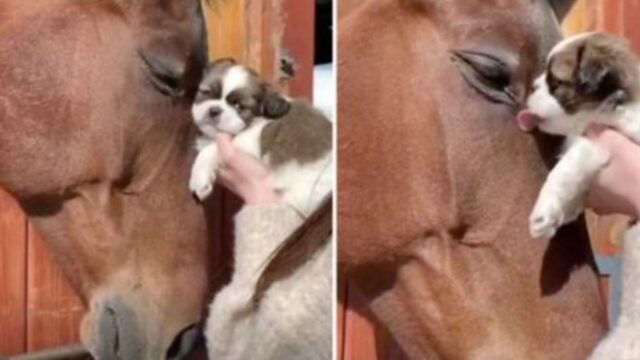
96,143
436,183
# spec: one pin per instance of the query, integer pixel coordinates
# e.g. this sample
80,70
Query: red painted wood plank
298,39
612,13
53,311
13,270
360,333
630,25
340,318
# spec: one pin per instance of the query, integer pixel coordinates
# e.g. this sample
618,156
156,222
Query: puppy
290,137
590,78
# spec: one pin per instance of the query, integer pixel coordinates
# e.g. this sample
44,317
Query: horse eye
490,70
486,74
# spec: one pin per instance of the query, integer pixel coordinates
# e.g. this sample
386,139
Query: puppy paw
201,186
546,218
621,344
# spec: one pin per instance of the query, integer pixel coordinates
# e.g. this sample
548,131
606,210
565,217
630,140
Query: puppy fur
290,137
590,78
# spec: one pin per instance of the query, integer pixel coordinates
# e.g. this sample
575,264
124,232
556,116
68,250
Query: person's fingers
225,145
227,178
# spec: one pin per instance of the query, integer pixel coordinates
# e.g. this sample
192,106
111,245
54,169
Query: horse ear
274,104
173,50
561,7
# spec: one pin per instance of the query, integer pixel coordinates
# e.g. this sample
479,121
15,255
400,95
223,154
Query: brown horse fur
436,183
95,142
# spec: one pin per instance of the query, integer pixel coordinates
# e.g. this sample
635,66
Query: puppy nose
215,111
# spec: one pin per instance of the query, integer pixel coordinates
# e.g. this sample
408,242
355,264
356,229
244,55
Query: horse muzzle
115,330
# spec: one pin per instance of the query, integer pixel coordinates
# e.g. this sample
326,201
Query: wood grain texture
227,30
13,274
53,310
248,31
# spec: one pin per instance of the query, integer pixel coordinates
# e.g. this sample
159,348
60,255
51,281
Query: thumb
225,145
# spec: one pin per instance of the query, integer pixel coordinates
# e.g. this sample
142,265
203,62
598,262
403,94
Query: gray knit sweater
294,317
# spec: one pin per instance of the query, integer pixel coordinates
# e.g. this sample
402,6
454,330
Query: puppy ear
595,76
274,105
591,75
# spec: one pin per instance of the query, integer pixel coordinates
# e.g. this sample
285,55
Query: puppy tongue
527,120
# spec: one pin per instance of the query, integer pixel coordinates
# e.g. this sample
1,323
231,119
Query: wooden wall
37,307
38,310
359,339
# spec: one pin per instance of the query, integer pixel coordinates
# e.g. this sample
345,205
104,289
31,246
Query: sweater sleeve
259,229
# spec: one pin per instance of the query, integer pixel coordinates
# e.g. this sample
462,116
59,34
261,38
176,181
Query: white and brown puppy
290,137
590,78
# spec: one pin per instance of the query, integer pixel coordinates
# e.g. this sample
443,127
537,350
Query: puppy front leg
562,195
203,172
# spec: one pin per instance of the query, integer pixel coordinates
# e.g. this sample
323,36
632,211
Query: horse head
96,145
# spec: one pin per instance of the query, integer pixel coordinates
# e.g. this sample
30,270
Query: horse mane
297,249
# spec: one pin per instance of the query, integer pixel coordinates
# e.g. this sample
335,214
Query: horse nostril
215,112
188,340
117,333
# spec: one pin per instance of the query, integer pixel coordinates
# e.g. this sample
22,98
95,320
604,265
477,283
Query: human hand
617,187
243,174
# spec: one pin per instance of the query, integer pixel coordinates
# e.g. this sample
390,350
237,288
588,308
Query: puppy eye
205,91
486,74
